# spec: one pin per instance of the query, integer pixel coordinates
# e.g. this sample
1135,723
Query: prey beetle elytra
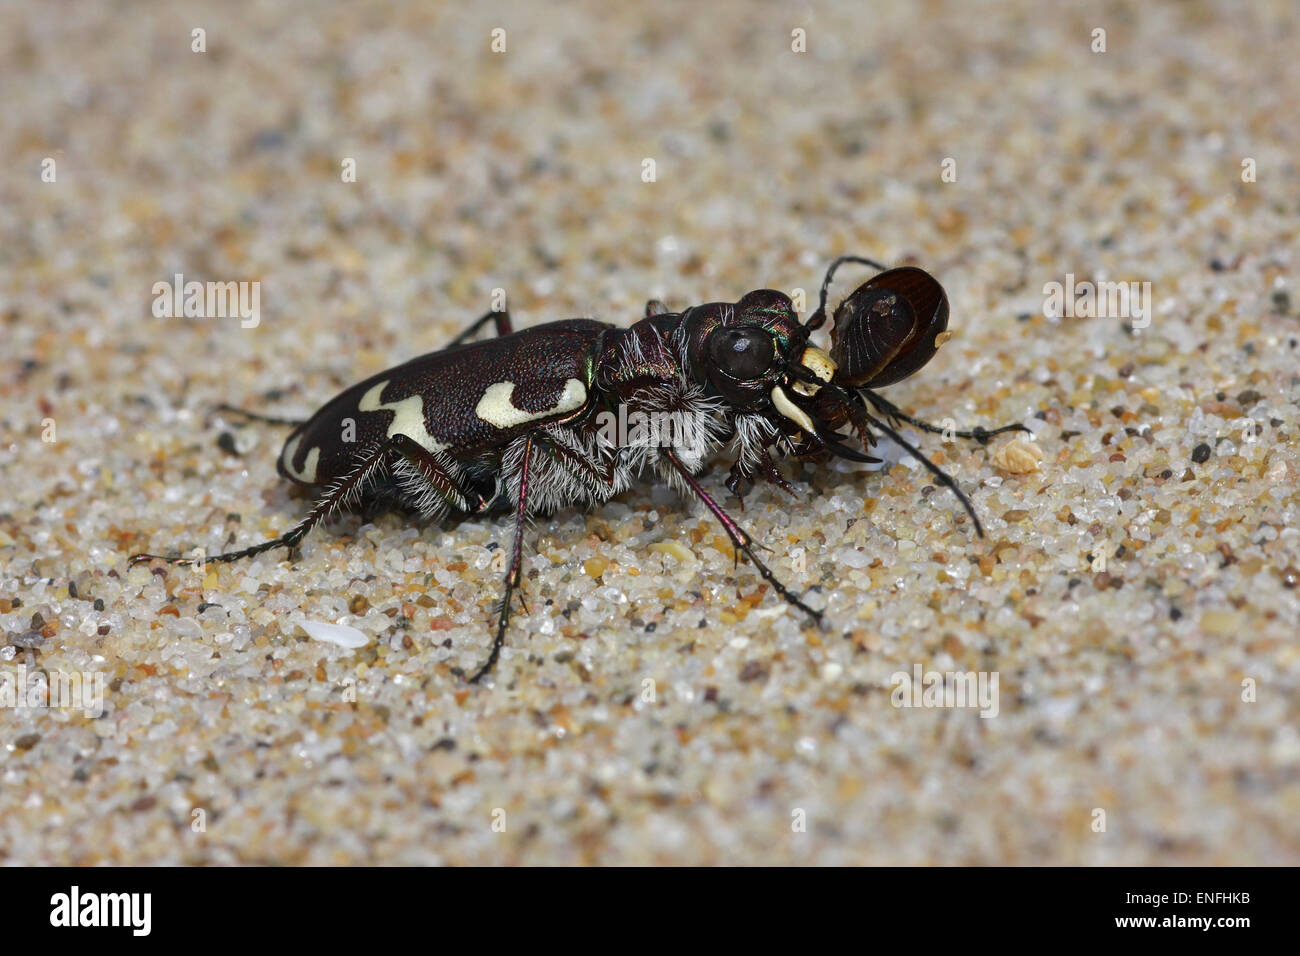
519,422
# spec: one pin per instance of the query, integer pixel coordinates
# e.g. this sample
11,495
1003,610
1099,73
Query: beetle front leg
503,324
740,482
740,538
979,433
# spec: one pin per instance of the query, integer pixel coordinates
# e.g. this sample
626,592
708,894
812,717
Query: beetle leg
773,474
978,433
439,481
516,561
338,494
333,499
818,318
740,538
502,320
599,475
655,307
740,482
255,417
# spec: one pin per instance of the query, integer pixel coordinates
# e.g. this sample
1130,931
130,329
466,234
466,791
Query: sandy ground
1134,598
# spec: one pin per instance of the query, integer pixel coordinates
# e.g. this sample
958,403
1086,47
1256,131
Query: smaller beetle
518,423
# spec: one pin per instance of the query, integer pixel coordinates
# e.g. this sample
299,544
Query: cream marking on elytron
308,471
496,409
408,417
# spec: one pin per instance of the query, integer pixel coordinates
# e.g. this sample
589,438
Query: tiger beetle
516,423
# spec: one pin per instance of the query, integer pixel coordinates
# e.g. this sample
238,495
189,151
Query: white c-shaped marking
306,474
496,408
408,416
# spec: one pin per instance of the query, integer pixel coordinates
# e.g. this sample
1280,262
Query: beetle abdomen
459,401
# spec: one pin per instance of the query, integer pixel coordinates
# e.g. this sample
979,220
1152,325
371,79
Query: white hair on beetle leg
366,470
754,434
420,494
685,408
555,482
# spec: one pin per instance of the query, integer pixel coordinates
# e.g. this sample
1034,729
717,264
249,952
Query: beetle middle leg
516,559
599,475
740,538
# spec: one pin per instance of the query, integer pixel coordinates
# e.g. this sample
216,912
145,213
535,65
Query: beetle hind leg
343,493
333,499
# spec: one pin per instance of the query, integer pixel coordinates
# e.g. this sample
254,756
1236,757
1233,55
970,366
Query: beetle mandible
514,423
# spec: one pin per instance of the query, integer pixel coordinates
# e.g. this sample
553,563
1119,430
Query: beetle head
738,350
888,328
757,356
746,353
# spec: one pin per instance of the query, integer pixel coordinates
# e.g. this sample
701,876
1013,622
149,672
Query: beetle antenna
942,476
818,318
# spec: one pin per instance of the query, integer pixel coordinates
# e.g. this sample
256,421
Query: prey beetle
519,422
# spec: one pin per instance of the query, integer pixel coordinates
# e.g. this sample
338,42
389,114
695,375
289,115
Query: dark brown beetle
518,422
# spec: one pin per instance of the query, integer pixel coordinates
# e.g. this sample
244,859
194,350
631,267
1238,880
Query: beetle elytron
510,423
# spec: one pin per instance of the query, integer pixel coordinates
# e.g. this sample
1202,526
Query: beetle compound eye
742,353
